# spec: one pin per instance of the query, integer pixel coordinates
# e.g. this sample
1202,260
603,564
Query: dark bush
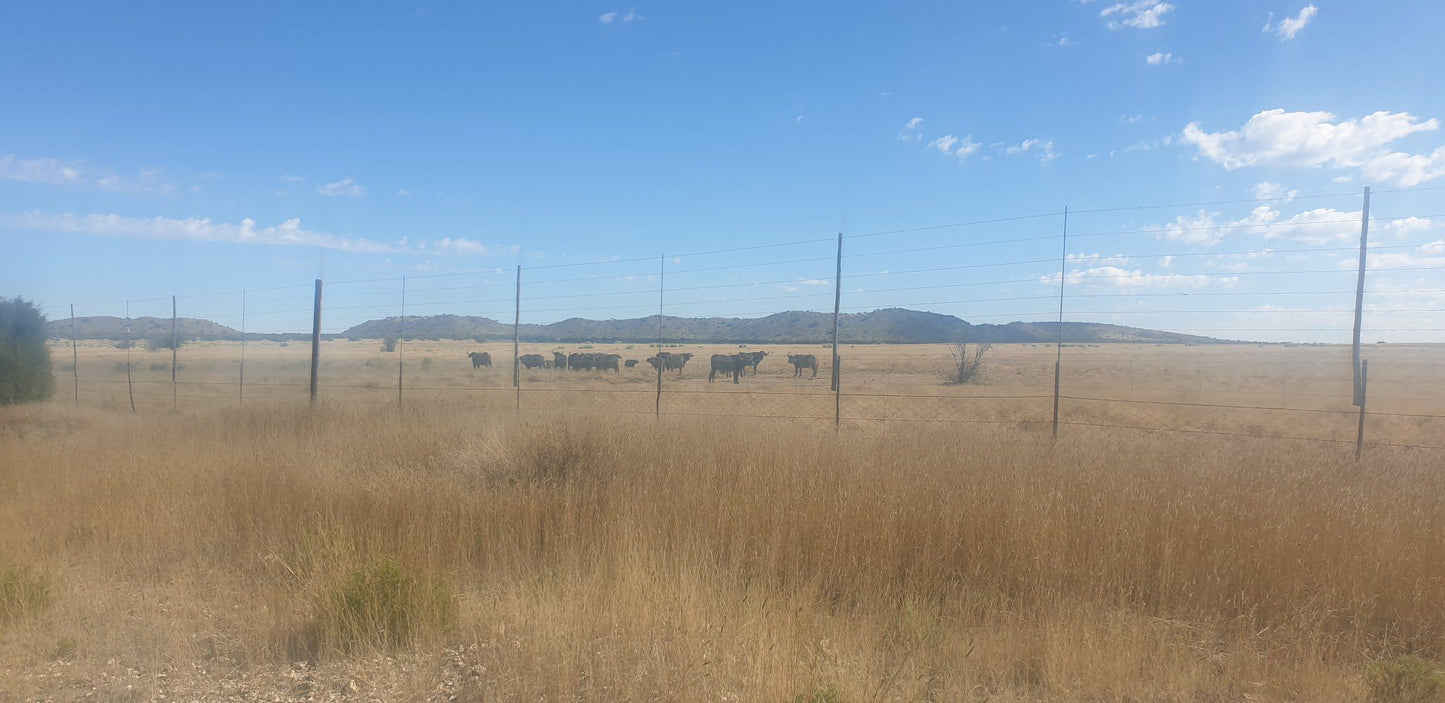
25,375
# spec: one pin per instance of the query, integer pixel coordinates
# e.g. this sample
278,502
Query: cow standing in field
803,361
677,361
733,364
559,360
630,363
532,361
587,361
480,359
609,361
752,359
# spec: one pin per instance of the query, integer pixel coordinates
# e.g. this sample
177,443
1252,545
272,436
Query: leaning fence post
1360,431
74,356
517,342
1360,300
129,342
174,348
315,339
661,271
1059,343
400,341
837,372
241,381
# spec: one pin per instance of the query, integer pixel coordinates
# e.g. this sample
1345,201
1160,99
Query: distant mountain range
885,326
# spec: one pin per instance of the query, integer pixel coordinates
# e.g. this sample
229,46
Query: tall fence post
1059,339
241,381
400,342
175,348
661,272
837,372
1360,301
315,340
517,342
129,342
1360,431
74,356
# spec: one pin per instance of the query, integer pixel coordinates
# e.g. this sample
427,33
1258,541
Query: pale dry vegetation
450,551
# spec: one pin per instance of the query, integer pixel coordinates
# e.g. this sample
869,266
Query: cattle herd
734,365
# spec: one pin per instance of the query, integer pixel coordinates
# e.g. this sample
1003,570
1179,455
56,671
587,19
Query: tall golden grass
607,558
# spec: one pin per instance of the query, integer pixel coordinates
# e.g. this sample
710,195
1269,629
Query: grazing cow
752,359
609,361
559,360
630,363
803,361
677,361
733,364
481,359
587,361
532,361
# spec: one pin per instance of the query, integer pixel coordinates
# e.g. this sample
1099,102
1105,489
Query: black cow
481,359
587,361
559,360
733,364
630,363
752,359
532,361
803,361
677,361
609,361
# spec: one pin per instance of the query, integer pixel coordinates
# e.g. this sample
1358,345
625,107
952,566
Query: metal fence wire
684,334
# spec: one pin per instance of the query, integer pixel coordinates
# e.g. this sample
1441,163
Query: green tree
25,375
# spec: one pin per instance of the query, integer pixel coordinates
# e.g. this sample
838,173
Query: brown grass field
938,547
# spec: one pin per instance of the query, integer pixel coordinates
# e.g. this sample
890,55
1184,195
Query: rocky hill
889,325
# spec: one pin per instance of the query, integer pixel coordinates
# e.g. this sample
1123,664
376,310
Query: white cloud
345,187
610,17
56,172
48,171
1275,138
1131,119
1138,14
1158,58
290,178
403,193
1044,148
798,119
1273,191
288,233
910,132
459,246
961,148
1290,26
1114,277
1432,254
1317,227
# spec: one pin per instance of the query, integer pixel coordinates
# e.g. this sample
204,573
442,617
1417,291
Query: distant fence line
831,339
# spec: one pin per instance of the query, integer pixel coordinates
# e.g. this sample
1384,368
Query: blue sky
200,149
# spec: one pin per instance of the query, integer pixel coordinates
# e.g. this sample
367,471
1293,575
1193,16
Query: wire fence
1198,325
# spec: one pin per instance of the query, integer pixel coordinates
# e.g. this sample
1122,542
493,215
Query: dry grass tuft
728,560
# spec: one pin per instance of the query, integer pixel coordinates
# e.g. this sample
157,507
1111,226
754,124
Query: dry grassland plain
938,547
